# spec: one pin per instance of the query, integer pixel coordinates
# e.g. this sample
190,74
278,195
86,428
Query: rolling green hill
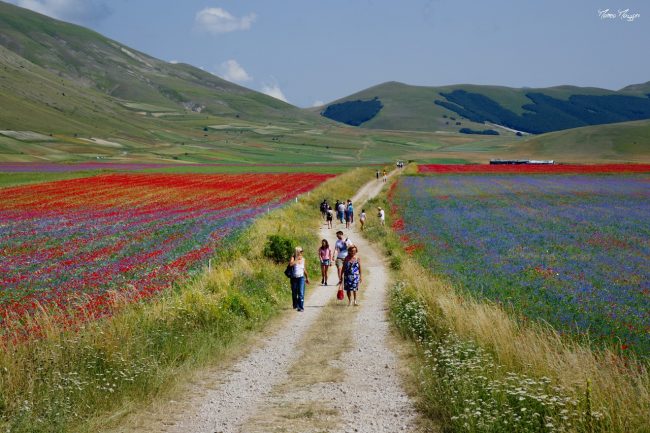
68,94
620,141
89,59
452,108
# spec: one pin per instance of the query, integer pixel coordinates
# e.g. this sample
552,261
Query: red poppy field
70,244
533,168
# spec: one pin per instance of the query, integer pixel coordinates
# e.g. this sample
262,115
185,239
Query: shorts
325,262
339,262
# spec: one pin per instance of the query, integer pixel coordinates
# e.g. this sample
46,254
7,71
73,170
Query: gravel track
370,399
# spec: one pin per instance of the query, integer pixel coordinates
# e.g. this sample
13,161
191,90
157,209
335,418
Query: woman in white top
298,280
382,216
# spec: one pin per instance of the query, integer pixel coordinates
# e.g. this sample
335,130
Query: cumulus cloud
274,91
231,70
217,20
78,11
318,103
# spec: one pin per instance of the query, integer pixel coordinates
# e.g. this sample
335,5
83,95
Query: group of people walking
344,213
344,255
348,269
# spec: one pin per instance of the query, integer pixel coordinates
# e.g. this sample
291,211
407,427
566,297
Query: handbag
288,272
340,295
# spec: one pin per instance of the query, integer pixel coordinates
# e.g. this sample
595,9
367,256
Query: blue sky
313,51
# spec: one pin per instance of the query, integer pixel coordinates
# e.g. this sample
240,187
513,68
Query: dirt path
348,380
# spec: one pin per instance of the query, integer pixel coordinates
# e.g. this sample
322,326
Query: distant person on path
298,280
325,255
377,174
330,217
382,216
346,212
362,218
323,208
352,278
351,211
341,252
385,177
341,212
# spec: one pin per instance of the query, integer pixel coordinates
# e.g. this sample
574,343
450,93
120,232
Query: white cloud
318,103
217,20
231,70
79,11
274,91
174,62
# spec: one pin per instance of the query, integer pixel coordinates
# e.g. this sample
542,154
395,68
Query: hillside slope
95,62
530,110
628,141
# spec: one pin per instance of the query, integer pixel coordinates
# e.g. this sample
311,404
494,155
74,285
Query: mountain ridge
528,109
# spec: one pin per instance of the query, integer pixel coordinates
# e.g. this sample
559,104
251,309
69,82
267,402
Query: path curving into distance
264,391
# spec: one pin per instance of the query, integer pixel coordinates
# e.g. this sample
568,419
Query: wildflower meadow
71,244
572,250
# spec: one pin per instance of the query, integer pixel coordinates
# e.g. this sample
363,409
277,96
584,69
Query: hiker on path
382,216
385,177
325,256
351,211
340,252
346,211
377,174
352,278
341,211
323,208
298,280
329,217
362,218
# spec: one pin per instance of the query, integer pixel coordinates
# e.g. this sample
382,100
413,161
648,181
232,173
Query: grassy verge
74,381
482,371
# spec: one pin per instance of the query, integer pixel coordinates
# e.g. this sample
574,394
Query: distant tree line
546,113
483,132
354,112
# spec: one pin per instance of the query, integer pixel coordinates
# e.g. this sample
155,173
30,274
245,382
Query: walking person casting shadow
298,280
352,278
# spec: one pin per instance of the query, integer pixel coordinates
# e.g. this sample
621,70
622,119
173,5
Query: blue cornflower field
571,250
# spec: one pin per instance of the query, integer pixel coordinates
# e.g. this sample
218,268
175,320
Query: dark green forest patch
354,113
547,114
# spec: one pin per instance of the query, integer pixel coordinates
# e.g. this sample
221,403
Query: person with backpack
330,217
298,279
340,252
323,208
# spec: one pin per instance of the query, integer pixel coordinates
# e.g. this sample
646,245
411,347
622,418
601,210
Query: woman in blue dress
352,278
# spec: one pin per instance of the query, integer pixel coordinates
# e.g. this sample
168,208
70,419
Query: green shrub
278,248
